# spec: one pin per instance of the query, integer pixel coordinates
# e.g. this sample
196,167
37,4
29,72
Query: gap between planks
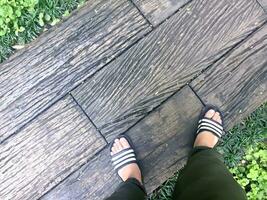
88,118
141,13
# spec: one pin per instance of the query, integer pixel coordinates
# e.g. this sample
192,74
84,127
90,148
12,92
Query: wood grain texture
164,61
263,4
156,11
165,137
95,181
238,82
162,141
42,154
60,59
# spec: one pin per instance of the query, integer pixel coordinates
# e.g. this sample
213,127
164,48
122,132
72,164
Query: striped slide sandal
125,156
207,124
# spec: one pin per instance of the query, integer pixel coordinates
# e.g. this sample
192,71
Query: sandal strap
122,158
207,124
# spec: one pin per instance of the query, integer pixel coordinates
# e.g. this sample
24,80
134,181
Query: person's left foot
207,138
131,170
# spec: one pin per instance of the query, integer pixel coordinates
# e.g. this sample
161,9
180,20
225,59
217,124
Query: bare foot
206,138
131,170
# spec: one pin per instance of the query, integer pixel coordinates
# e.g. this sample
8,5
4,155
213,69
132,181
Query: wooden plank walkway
156,11
45,71
237,82
119,67
48,150
162,140
165,60
263,4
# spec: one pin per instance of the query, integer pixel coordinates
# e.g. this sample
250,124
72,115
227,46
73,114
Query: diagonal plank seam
31,120
226,53
148,113
192,89
186,4
96,154
141,13
78,168
88,117
246,65
90,76
261,5
119,122
208,67
157,25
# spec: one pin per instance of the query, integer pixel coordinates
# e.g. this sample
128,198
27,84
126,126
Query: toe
113,150
124,143
119,145
217,117
115,145
210,113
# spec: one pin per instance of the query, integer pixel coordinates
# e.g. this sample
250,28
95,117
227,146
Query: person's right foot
207,138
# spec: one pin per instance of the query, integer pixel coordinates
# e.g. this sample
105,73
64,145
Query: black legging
205,177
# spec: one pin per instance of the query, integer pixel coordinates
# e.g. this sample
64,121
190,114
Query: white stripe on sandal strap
203,124
124,162
210,129
120,154
211,122
123,158
210,125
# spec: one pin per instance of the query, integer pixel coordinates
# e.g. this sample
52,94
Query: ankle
136,178
205,139
136,175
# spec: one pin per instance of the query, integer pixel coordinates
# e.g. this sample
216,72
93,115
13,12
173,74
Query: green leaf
47,17
1,21
18,13
55,21
2,32
66,13
21,29
41,21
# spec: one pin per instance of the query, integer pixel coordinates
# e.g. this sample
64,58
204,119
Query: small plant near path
22,21
251,173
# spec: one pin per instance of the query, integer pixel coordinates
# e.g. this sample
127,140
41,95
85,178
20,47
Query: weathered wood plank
156,11
162,141
164,138
45,152
60,59
238,82
165,60
95,181
263,4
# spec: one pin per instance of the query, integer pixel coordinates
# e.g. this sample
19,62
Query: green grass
30,22
241,137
